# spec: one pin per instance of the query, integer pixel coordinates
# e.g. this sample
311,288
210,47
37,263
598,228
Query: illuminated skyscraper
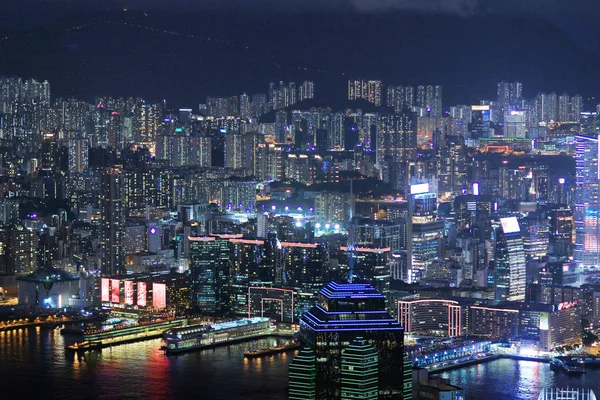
587,177
575,108
425,232
112,228
245,111
115,131
509,261
302,376
563,108
78,154
345,311
480,122
561,231
209,266
509,93
360,372
307,91
366,90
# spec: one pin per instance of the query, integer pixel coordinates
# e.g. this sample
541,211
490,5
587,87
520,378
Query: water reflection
517,380
138,370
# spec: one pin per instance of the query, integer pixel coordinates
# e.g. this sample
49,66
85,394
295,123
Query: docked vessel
570,367
196,337
272,350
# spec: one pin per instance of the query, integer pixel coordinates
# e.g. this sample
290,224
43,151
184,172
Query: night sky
465,45
579,17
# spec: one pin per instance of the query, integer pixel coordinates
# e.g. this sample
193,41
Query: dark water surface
33,362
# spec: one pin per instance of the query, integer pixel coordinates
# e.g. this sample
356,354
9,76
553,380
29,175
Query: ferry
195,337
271,350
84,346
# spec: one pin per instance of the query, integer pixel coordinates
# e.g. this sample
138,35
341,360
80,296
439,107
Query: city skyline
392,200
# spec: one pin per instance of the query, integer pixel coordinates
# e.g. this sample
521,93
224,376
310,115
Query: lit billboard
128,292
104,290
510,225
141,294
159,295
419,188
114,290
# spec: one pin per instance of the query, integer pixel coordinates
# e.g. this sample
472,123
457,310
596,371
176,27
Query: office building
509,261
345,311
112,228
587,226
209,265
514,124
302,376
480,122
494,322
425,232
359,371
431,317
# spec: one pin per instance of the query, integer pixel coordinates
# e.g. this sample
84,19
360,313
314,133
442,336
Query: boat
570,368
272,350
196,337
85,346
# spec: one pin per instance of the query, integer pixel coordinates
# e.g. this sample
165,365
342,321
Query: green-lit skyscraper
302,376
360,371
407,379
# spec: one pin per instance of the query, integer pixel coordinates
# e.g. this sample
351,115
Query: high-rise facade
302,376
509,261
360,371
480,121
78,154
210,267
587,178
509,94
396,139
429,98
370,91
425,233
112,229
344,312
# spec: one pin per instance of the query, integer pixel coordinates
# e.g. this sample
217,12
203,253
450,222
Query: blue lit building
587,176
344,312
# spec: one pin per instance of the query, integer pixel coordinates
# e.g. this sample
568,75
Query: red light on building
303,245
105,290
247,241
115,295
141,294
159,295
498,149
128,292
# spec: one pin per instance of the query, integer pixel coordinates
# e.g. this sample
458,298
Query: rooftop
49,275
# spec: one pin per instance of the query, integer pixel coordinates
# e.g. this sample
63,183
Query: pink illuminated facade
430,316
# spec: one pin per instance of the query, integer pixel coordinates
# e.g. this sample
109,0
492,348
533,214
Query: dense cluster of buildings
477,220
